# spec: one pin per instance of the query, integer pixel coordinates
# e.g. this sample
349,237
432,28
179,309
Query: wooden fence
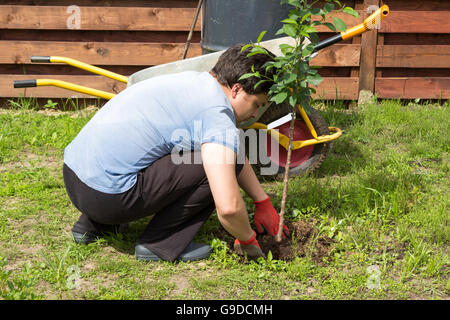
408,57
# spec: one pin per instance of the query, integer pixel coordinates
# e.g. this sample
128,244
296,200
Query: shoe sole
83,238
200,253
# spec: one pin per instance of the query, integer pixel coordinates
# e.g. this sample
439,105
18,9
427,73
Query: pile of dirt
304,240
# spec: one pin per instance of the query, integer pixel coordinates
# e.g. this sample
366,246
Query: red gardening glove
267,219
250,248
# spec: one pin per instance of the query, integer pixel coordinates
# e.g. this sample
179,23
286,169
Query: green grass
381,194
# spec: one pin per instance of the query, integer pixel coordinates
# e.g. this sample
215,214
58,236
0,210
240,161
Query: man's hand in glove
250,248
266,218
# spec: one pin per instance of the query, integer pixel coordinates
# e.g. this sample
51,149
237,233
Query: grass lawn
382,195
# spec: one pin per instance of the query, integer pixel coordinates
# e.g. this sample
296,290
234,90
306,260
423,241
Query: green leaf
314,79
306,16
285,48
246,46
351,11
257,50
246,76
290,30
293,100
259,83
289,21
280,31
261,35
308,50
269,256
330,26
310,29
316,12
339,24
279,98
328,7
288,78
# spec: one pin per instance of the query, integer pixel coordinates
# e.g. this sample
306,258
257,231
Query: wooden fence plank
116,18
337,89
416,22
412,88
98,53
142,54
368,52
97,18
417,56
96,82
330,88
339,55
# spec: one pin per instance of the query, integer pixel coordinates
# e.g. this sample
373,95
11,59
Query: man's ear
235,89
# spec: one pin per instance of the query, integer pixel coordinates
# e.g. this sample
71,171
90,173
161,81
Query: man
121,166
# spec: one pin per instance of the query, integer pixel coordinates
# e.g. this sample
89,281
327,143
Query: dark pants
177,194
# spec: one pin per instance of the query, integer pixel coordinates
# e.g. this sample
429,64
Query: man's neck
227,91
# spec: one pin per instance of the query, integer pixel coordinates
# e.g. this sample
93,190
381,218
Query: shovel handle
370,23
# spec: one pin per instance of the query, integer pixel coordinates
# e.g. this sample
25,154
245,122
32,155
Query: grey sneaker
88,237
194,251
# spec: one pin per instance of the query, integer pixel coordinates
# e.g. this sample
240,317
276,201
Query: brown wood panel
417,56
414,73
416,22
104,53
339,55
98,35
107,3
62,69
369,47
412,88
96,82
430,39
421,5
337,89
97,18
116,53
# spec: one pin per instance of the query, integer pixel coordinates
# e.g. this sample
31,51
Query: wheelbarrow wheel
304,160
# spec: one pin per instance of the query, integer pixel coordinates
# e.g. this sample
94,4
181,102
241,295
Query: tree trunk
279,236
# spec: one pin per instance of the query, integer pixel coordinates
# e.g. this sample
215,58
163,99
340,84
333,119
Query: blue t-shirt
147,121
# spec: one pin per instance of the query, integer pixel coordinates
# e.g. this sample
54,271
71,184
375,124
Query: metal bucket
228,22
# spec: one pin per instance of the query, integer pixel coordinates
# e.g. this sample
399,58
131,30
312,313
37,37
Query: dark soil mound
304,240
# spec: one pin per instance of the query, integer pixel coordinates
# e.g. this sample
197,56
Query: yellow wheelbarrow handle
62,84
80,65
298,144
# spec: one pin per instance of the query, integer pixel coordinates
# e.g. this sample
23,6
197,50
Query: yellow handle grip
88,67
74,87
370,23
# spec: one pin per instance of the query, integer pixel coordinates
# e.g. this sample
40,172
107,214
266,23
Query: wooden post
368,53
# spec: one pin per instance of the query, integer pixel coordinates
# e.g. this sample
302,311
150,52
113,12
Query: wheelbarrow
312,135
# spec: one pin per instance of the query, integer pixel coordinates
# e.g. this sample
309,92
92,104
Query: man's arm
219,163
249,182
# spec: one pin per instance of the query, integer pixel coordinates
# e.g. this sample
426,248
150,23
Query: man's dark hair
233,63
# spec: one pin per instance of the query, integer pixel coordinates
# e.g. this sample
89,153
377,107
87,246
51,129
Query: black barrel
228,22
